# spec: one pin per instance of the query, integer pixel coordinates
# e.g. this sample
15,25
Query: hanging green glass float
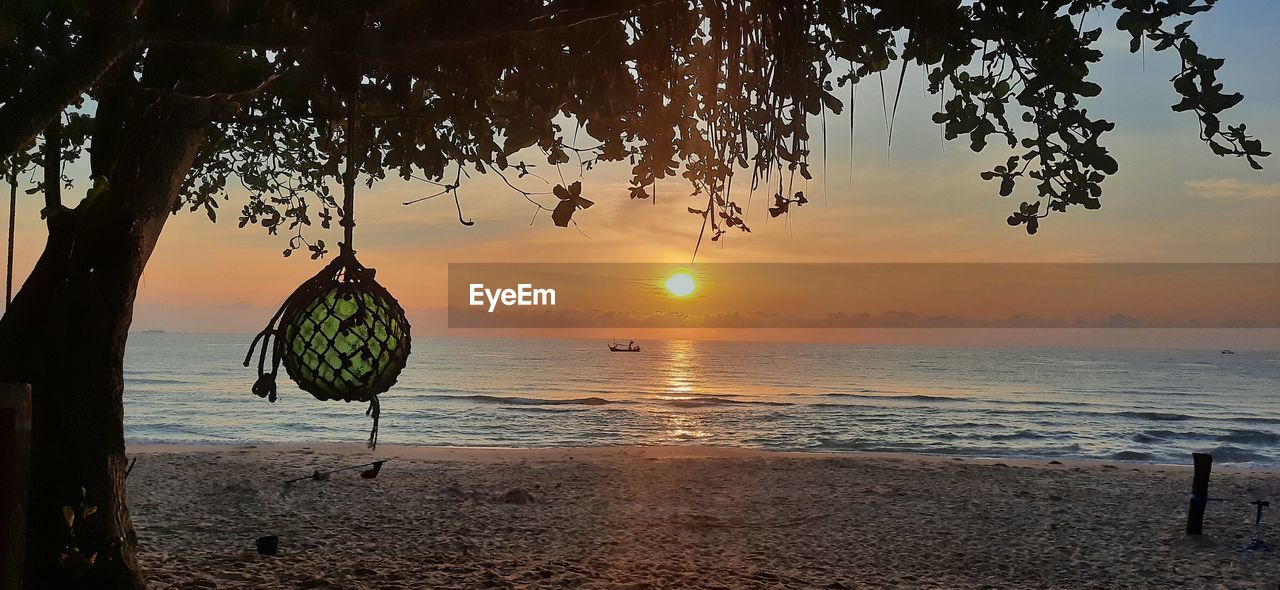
340,335
346,342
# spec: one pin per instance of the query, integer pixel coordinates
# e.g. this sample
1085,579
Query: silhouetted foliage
191,97
704,90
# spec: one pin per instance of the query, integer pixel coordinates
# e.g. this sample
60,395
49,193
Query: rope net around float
339,342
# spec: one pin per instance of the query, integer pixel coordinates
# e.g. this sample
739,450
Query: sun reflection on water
684,425
679,368
681,423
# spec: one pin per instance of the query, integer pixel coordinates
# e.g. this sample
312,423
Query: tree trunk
65,335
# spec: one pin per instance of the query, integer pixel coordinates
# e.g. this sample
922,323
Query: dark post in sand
1199,492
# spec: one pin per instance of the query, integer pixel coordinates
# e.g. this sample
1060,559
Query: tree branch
59,84
53,165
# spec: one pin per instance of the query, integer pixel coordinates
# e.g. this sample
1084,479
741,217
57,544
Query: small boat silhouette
1225,351
630,347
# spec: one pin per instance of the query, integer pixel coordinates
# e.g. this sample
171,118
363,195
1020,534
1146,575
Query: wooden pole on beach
1199,492
15,446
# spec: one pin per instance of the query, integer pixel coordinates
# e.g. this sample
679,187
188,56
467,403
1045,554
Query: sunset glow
640,294
681,284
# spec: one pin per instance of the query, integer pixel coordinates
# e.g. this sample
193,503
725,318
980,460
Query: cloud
1231,188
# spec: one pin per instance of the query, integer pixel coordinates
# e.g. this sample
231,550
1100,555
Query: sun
681,284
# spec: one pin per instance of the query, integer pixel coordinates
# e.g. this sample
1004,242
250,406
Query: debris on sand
517,496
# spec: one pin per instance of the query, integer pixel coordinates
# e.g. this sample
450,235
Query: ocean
1112,404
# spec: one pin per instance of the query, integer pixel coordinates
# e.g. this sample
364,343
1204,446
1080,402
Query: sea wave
989,436
1039,402
1148,439
1019,435
1254,420
912,397
1247,437
529,401
1159,416
856,392
1231,454
701,401
836,444
154,381
1132,456
921,397
541,410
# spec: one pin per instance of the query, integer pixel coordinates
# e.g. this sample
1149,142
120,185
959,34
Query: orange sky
797,295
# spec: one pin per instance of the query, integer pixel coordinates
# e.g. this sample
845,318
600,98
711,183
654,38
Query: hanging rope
349,179
340,335
13,205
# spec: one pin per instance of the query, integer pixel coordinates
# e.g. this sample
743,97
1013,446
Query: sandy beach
683,517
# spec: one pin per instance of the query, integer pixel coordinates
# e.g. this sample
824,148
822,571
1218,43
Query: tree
175,101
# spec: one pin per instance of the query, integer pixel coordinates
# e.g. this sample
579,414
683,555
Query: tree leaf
563,213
